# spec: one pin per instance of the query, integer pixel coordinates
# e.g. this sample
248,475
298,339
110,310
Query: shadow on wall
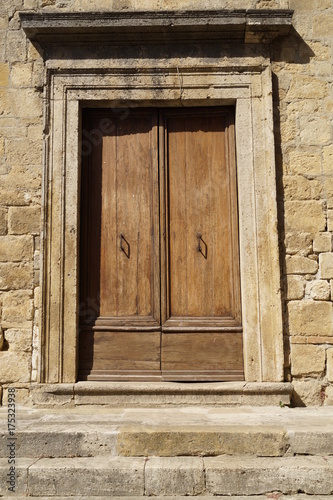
291,50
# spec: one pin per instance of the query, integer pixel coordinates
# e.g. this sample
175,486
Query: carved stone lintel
237,26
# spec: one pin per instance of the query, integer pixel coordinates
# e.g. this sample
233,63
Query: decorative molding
250,88
237,26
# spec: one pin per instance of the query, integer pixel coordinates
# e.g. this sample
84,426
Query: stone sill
161,394
244,26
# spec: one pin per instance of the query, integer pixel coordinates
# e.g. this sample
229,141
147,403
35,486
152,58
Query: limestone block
24,220
328,159
21,74
297,187
187,440
256,476
30,4
18,187
36,296
307,393
4,74
23,152
329,396
3,221
19,340
288,129
16,248
330,220
322,243
304,107
296,264
329,354
323,24
322,52
320,68
328,190
15,276
326,265
93,476
301,163
314,130
306,87
11,103
21,467
307,216
307,360
17,308
35,132
15,366
37,260
301,5
16,49
298,243
309,317
295,287
319,290
174,476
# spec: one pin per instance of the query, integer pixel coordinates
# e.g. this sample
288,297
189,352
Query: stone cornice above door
236,26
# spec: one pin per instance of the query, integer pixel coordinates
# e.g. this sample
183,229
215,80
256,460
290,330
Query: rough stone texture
298,243
296,264
17,308
24,220
307,360
307,393
227,475
326,265
319,290
304,216
310,317
106,476
15,276
15,248
174,476
329,396
189,440
329,355
322,242
295,287
15,366
21,477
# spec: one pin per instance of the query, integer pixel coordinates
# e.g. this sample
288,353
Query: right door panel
202,331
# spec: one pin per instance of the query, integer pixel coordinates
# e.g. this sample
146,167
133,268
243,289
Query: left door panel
119,246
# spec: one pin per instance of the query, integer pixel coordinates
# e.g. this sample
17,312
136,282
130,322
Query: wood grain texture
156,306
119,225
215,354
202,256
118,351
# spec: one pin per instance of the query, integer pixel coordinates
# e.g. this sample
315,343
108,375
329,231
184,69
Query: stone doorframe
245,82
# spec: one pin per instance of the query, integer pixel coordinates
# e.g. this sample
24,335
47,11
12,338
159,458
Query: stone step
163,476
273,496
195,431
160,394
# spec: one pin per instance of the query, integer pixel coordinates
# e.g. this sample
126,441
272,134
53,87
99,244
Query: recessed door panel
120,270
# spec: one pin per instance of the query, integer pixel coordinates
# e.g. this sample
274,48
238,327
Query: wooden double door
159,253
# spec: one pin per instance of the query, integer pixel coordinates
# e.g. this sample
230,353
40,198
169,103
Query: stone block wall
302,68
303,106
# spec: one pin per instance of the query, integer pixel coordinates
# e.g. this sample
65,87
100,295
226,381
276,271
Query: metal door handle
202,246
127,248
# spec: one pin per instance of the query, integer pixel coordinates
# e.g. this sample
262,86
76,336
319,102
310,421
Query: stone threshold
162,394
